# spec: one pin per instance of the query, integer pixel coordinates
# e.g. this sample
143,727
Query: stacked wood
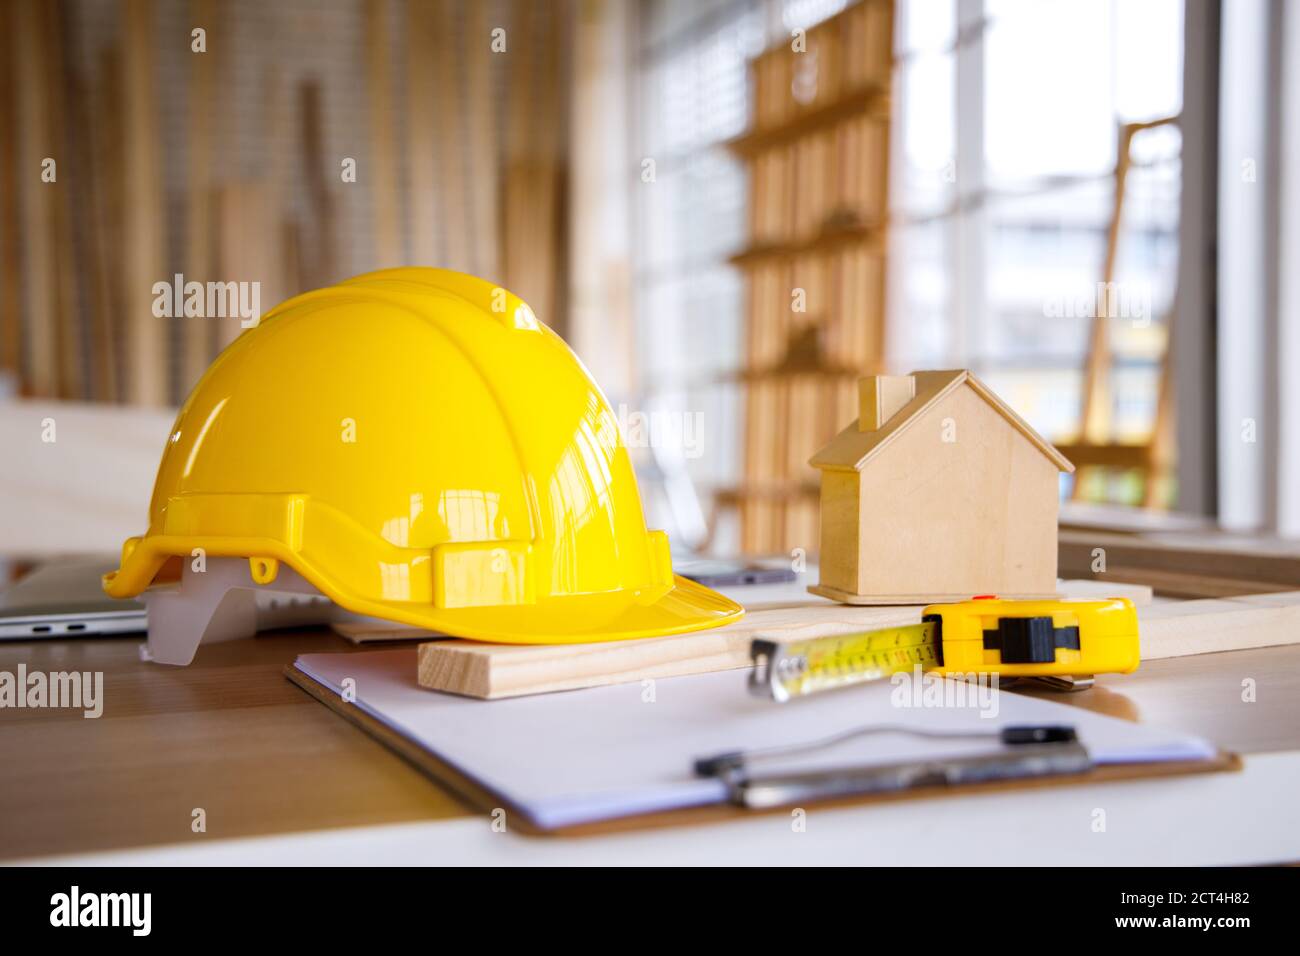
818,159
166,166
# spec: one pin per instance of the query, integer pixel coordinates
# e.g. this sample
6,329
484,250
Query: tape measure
1049,639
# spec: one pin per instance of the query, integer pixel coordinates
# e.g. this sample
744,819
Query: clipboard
480,795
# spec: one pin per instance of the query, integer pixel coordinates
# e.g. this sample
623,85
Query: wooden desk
231,735
228,733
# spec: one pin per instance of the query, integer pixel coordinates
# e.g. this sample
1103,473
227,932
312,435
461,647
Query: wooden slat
40,280
198,335
381,177
520,219
1187,570
281,174
1184,628
453,178
146,335
1083,455
871,101
320,268
532,241
11,292
109,319
249,247
86,262
422,200
484,161
70,332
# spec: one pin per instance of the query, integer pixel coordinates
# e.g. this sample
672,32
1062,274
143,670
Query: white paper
604,752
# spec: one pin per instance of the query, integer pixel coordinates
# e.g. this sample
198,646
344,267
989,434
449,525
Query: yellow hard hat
419,447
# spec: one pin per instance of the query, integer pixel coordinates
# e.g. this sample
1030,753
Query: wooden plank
40,281
64,131
1184,628
535,134
109,319
1095,517
453,178
11,291
1180,584
1110,455
484,162
492,671
85,268
281,174
871,101
320,268
422,201
1224,566
146,335
382,176
198,334
518,222
249,247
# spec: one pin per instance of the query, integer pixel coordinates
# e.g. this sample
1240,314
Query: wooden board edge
1192,641
489,680
475,673
366,633
848,597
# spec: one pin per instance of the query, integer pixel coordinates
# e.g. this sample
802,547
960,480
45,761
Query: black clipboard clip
1027,752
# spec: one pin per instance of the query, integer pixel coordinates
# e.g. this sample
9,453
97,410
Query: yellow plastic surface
1108,636
418,446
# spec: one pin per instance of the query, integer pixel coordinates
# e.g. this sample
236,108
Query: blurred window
996,251
996,258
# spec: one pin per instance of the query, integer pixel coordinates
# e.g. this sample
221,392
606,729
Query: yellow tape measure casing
1077,639
1037,638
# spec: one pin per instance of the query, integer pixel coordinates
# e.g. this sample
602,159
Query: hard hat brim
584,618
621,615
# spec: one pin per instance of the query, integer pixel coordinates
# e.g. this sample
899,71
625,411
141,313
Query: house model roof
852,448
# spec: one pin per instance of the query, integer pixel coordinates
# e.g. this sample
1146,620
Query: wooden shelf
1086,454
779,491
778,374
825,241
871,100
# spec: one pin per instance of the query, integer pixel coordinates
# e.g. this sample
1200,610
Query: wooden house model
938,492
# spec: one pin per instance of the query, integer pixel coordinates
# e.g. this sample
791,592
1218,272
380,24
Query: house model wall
938,492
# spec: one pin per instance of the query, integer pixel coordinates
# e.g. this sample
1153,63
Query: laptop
64,599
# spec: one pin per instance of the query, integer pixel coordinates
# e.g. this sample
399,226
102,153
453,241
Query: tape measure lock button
1030,640
1025,640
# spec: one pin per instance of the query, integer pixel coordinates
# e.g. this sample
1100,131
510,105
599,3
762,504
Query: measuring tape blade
785,669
